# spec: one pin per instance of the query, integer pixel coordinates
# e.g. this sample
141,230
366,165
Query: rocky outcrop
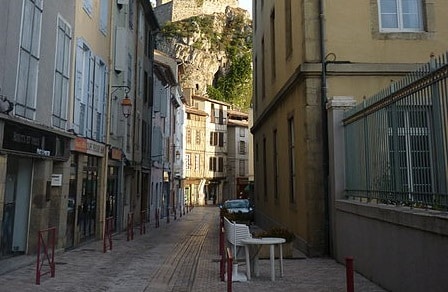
202,45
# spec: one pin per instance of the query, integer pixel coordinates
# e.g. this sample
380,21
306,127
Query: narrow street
179,256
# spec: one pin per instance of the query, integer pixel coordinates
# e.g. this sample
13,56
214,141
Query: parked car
238,210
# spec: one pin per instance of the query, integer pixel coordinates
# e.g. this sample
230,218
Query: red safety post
108,230
222,267
349,274
130,231
229,270
222,263
143,222
47,248
221,237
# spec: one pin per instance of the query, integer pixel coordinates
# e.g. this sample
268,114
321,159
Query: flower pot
287,249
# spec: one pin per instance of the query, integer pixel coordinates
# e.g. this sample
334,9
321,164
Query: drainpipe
325,158
105,161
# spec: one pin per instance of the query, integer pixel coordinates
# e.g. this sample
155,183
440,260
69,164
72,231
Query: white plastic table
272,242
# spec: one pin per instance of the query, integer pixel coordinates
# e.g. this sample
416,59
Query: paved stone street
179,256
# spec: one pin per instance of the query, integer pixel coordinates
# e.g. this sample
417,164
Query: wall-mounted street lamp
126,106
126,102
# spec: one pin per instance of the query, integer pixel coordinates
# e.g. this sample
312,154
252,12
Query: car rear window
236,204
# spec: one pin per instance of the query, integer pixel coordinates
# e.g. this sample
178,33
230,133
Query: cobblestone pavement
178,256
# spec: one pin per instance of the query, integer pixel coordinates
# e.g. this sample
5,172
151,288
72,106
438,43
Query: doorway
16,207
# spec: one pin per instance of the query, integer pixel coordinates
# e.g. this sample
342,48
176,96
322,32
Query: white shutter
96,97
157,98
157,142
90,97
104,15
120,49
104,101
78,86
164,104
88,6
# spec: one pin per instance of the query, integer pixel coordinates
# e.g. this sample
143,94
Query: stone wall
180,9
212,6
399,248
163,12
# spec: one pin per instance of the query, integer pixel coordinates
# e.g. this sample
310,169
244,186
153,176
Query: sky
246,4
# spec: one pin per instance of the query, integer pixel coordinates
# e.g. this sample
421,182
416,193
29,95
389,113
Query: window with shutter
197,161
61,75
88,6
29,58
104,15
242,168
84,90
242,147
188,161
221,139
198,137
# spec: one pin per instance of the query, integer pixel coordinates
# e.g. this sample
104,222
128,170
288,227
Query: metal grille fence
396,141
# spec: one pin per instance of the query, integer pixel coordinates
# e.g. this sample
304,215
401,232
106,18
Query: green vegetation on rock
234,37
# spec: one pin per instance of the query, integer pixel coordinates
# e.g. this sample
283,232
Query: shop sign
56,180
80,145
115,153
31,140
88,146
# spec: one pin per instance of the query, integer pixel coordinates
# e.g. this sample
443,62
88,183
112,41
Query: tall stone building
35,66
69,155
175,10
305,53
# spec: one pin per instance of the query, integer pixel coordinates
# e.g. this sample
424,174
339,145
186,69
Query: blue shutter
104,101
90,93
104,12
78,85
88,6
96,99
164,103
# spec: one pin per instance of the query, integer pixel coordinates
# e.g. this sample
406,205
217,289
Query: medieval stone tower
174,10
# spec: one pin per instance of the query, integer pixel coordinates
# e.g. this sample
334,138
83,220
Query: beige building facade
206,157
236,184
306,52
194,155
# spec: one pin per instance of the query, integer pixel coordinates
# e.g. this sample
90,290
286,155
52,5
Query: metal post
349,274
38,259
229,270
53,242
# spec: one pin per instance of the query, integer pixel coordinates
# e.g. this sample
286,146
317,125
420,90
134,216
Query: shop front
33,163
114,199
85,190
